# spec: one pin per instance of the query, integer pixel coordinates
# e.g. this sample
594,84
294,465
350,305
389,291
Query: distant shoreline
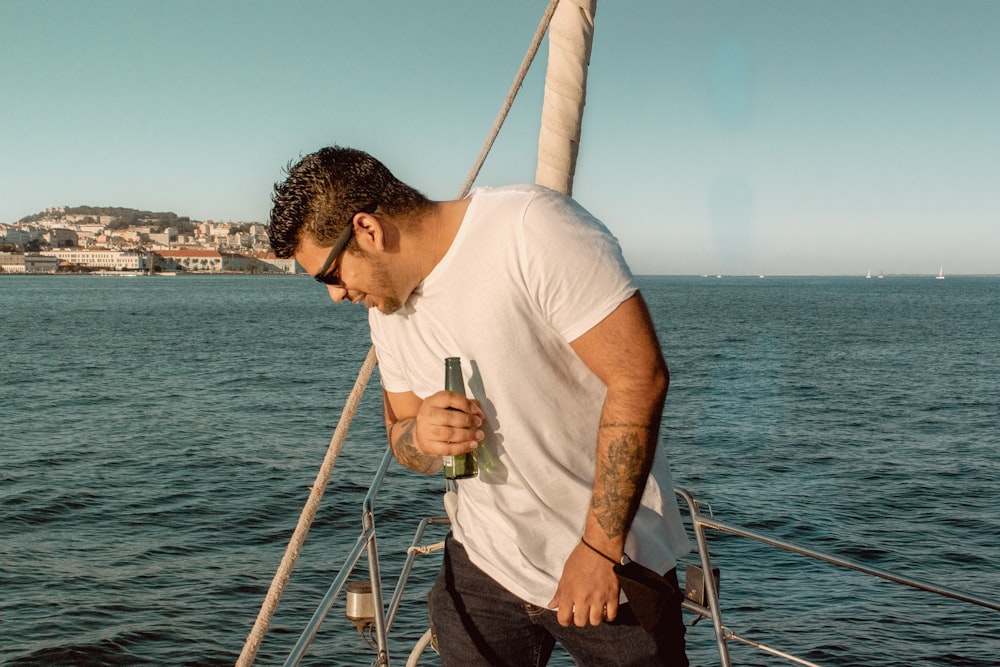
754,278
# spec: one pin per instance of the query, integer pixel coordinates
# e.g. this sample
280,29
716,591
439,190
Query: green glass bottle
457,467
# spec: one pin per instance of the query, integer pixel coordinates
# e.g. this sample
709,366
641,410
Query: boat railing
700,582
702,522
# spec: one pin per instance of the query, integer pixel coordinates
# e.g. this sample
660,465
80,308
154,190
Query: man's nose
337,293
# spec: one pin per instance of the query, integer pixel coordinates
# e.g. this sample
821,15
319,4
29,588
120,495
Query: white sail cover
571,35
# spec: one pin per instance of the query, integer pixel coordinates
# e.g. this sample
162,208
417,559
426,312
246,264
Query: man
568,386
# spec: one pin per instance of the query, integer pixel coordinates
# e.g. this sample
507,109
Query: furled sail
571,35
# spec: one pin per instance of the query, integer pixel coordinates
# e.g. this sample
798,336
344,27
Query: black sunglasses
326,276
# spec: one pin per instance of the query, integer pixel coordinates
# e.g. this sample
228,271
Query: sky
736,137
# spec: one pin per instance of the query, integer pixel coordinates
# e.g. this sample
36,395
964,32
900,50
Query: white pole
571,34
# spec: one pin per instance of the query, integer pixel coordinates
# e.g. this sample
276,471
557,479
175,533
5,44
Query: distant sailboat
940,275
869,274
880,274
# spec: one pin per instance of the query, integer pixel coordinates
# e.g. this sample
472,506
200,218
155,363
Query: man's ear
369,232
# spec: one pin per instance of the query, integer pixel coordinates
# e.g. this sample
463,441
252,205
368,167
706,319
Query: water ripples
160,438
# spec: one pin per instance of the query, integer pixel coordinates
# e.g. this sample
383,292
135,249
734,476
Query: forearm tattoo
405,446
619,474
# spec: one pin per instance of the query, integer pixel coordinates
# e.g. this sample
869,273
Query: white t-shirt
528,272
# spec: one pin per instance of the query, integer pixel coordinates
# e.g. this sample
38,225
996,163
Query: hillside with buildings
92,238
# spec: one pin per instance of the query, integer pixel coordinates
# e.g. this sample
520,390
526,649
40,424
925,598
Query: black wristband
598,551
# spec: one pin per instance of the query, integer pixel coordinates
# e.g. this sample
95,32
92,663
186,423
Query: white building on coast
109,260
27,263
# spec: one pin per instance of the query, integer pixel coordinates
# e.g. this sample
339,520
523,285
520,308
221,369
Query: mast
571,35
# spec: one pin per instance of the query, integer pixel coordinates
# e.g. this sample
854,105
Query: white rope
529,57
280,580
424,549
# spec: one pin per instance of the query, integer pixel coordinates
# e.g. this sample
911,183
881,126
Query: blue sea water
159,436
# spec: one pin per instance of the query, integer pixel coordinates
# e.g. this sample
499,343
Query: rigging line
308,514
508,102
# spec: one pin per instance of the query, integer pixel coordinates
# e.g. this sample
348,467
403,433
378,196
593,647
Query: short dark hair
325,189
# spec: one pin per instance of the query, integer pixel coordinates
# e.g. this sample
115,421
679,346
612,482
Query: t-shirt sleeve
573,266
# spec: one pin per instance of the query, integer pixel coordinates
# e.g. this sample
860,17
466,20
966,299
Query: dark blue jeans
478,622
